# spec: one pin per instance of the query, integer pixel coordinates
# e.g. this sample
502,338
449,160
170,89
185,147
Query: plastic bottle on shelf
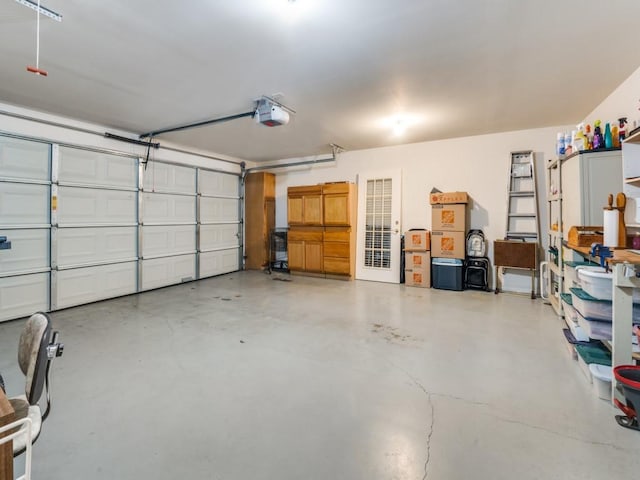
598,141
608,138
580,141
622,130
568,143
560,144
615,134
589,136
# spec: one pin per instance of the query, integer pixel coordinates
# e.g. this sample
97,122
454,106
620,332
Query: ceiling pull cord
37,69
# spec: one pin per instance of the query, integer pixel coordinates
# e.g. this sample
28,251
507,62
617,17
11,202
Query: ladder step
528,193
522,215
522,235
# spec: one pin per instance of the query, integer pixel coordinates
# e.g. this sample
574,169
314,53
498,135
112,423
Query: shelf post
624,281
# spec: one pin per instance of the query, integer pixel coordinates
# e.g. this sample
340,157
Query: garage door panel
168,240
24,295
217,184
95,206
218,236
81,246
218,210
160,272
90,284
218,262
163,177
29,251
164,208
24,159
23,204
100,169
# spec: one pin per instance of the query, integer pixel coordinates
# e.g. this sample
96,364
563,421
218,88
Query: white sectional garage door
218,223
25,193
95,234
87,225
168,225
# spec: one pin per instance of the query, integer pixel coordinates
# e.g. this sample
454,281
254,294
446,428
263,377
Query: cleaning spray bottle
622,131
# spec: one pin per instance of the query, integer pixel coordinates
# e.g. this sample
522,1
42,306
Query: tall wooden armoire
260,218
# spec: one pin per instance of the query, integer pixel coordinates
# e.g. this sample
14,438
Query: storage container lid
582,295
566,298
455,262
595,272
580,264
593,353
601,372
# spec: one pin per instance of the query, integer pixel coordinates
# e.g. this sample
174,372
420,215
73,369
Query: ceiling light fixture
399,123
291,11
399,128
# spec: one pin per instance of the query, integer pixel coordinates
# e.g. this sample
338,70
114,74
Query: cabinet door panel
334,249
337,235
313,260
312,209
305,234
294,210
336,209
337,266
296,255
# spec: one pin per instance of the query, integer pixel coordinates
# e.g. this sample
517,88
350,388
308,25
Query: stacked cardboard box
417,258
448,224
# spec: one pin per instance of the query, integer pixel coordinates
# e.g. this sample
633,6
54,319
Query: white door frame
393,227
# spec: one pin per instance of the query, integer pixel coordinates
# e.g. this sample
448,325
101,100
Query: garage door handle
5,244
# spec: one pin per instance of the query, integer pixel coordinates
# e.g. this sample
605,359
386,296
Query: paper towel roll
611,228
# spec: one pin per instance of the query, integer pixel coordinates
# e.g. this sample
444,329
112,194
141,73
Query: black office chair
36,351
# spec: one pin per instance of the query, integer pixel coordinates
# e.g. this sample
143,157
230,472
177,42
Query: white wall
624,101
478,165
58,134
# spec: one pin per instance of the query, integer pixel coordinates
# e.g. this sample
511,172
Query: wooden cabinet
339,251
259,195
305,249
333,206
304,205
337,202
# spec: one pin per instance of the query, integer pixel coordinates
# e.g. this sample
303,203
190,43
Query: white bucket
601,375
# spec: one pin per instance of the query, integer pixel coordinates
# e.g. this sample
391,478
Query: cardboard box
448,244
418,278
449,217
448,197
417,240
417,261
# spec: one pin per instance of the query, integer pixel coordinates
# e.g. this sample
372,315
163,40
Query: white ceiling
453,68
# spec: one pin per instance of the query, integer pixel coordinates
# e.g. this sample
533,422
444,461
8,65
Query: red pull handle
37,71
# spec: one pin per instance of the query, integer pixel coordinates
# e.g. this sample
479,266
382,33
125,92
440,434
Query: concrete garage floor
246,377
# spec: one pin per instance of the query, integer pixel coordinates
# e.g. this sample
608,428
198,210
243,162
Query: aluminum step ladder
522,223
522,201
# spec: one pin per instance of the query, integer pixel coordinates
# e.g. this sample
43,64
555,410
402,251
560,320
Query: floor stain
392,335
